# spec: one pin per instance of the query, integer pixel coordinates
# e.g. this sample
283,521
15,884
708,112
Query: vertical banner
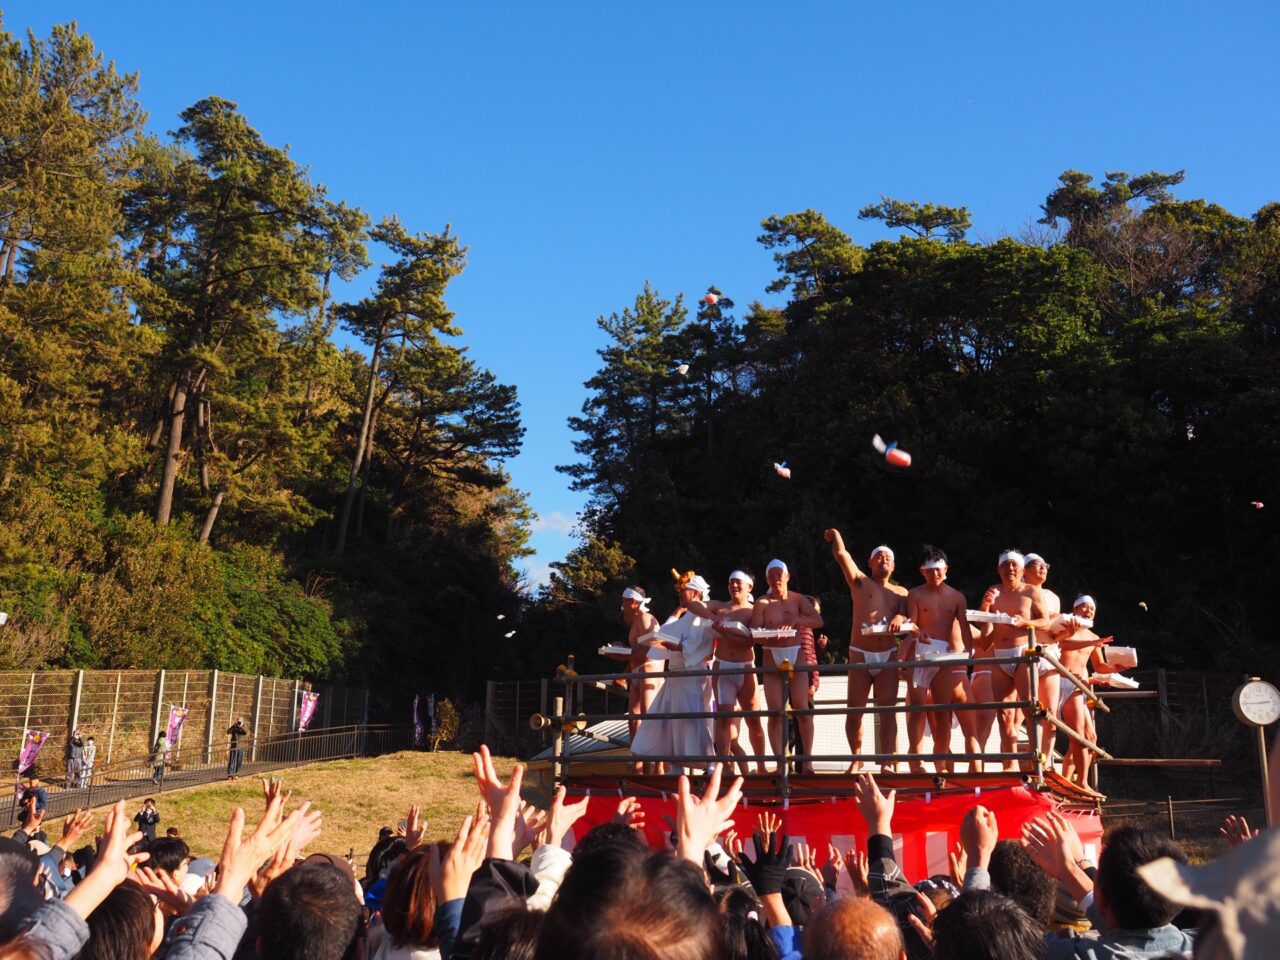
32,741
431,712
419,735
177,716
308,709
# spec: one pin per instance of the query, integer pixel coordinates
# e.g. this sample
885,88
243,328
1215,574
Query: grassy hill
357,798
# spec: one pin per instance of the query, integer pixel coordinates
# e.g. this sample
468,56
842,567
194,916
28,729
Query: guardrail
138,776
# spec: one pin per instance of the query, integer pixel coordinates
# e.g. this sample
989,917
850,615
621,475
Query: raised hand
834,866
859,872
75,827
1052,842
451,877
503,802
561,818
876,808
112,865
979,833
414,827
768,824
630,814
701,820
1236,830
242,855
959,865
767,871
924,927
161,885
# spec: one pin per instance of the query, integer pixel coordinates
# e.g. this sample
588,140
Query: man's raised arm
850,569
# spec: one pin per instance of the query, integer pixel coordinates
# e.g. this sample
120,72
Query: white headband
697,583
1082,600
1012,555
629,594
1033,557
936,564
881,549
778,565
744,577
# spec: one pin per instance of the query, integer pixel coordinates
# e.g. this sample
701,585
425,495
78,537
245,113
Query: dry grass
357,798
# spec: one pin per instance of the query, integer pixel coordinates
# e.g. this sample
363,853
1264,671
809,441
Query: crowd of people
509,885
892,625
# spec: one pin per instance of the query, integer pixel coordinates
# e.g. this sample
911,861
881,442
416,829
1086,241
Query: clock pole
1266,777
1257,704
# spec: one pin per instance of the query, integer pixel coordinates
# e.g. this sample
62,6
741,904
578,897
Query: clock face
1258,702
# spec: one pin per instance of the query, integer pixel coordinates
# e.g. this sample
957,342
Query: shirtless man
1081,648
781,609
942,630
875,600
1036,572
737,692
1022,602
642,688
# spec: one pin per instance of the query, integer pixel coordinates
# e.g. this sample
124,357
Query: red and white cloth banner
926,828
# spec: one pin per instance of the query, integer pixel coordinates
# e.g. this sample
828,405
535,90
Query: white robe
688,737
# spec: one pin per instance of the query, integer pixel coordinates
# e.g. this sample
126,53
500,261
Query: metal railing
569,721
138,776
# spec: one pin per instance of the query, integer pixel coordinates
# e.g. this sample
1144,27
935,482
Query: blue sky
584,148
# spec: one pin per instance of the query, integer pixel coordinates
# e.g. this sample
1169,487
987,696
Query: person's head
881,563
777,575
169,854
742,920
741,583
1123,897
125,926
1010,565
634,602
18,892
618,902
694,589
33,781
508,934
853,929
938,890
985,925
26,947
607,833
148,804
409,906
801,894
309,913
1085,607
90,739
934,566
1018,877
172,832
1035,569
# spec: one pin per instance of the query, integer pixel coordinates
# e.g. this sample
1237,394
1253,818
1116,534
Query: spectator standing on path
75,759
86,766
236,758
158,754
146,819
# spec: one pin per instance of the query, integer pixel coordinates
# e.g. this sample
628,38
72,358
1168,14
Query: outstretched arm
843,560
809,617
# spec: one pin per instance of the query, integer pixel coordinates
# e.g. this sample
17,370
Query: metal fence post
1162,688
293,711
257,717
212,720
77,692
157,704
364,710
115,715
328,705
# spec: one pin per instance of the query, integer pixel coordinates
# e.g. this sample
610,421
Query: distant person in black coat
146,819
235,761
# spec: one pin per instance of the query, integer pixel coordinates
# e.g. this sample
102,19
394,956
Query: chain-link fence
123,710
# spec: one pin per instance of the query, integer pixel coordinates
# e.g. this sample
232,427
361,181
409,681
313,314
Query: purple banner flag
31,744
419,735
177,716
308,709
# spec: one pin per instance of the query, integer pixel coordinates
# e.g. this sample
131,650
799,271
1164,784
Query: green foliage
176,425
921,219
1109,401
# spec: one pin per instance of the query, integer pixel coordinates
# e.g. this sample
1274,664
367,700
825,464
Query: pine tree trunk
362,443
210,517
177,415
